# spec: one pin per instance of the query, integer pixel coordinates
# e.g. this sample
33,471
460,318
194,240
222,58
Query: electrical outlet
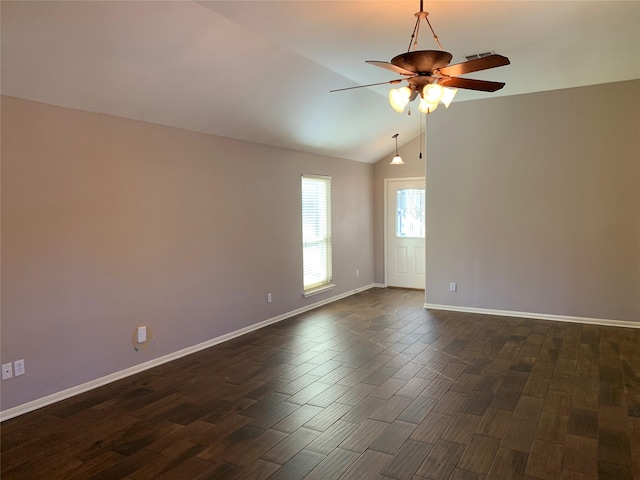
7,370
268,298
453,287
18,367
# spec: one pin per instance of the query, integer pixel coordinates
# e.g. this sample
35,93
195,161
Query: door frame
385,242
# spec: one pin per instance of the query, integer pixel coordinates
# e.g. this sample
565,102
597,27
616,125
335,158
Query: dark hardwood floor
369,387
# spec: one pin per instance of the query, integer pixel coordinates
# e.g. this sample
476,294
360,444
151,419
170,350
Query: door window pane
410,215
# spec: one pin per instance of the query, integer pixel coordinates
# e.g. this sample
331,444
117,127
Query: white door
405,233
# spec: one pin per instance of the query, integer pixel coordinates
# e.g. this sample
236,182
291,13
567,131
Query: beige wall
533,203
109,223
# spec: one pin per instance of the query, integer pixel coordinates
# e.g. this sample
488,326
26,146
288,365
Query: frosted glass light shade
399,98
397,160
427,107
447,96
432,92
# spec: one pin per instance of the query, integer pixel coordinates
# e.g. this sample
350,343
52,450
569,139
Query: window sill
315,291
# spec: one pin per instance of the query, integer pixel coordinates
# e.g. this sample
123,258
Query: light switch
142,334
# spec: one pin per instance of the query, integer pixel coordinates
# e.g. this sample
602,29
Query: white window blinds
316,232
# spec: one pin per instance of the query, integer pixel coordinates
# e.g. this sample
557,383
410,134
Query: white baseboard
99,382
538,316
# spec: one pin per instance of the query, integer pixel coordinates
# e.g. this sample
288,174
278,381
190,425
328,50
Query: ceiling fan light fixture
447,96
399,98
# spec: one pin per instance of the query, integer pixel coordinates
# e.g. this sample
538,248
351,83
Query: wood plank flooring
370,387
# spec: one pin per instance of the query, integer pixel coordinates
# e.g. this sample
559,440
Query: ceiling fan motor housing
422,61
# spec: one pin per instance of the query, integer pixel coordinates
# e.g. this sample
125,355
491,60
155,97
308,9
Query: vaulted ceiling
261,71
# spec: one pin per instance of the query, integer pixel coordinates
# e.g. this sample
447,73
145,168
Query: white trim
538,316
99,382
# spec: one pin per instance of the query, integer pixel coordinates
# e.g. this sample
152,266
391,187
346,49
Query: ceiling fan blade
475,65
397,80
391,66
470,84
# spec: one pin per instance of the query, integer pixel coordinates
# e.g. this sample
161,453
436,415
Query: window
316,233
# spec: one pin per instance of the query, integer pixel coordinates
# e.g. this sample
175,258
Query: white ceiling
261,71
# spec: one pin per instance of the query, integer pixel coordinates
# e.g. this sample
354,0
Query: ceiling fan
429,74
